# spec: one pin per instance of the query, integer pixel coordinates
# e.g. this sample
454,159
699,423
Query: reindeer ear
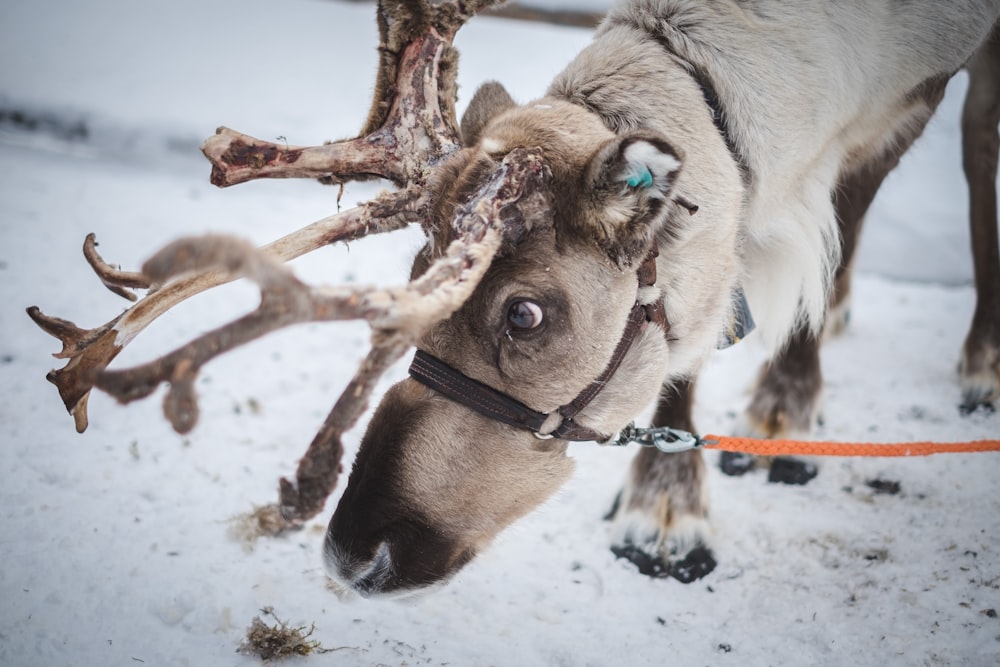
490,100
630,181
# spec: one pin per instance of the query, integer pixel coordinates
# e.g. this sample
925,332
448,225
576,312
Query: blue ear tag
640,179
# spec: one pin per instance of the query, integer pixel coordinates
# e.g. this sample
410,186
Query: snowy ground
114,544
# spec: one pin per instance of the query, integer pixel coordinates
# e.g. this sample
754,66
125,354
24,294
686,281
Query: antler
411,123
411,127
90,351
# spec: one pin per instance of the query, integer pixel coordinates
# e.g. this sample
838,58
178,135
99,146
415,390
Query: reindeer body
587,252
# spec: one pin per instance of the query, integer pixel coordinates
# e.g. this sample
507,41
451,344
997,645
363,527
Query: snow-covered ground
114,545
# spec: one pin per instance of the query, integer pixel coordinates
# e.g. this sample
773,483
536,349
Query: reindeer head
435,481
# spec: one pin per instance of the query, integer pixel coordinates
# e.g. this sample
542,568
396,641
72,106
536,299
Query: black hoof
651,566
736,464
791,471
975,402
696,564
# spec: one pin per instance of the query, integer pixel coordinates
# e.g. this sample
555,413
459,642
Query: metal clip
672,440
665,439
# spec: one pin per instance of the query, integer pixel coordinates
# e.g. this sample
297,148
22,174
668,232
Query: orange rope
763,447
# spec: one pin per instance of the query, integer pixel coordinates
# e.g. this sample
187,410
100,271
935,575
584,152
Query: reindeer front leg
786,399
661,515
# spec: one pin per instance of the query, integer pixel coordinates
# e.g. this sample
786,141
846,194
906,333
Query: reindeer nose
366,576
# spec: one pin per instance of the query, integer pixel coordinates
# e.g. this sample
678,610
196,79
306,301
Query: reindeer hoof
696,564
791,471
979,371
737,464
968,407
651,566
975,398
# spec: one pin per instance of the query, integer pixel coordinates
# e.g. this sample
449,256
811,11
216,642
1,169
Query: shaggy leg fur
661,516
786,400
980,366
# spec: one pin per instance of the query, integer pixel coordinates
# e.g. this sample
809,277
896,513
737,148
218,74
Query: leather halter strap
447,381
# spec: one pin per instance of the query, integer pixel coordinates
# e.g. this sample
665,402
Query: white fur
492,146
641,529
662,166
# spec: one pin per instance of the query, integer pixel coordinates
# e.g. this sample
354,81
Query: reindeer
586,253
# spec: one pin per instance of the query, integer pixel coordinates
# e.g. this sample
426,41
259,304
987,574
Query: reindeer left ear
629,182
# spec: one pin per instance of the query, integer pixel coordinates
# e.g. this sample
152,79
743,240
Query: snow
115,545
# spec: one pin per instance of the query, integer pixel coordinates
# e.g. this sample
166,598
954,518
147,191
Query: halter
447,381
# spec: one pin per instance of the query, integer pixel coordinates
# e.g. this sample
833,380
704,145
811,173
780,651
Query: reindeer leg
661,516
786,400
980,366
787,397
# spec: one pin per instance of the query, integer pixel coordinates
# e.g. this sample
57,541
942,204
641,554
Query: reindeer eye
524,315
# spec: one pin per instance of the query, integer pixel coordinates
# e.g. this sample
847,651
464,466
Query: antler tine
237,158
318,470
116,280
411,124
91,350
